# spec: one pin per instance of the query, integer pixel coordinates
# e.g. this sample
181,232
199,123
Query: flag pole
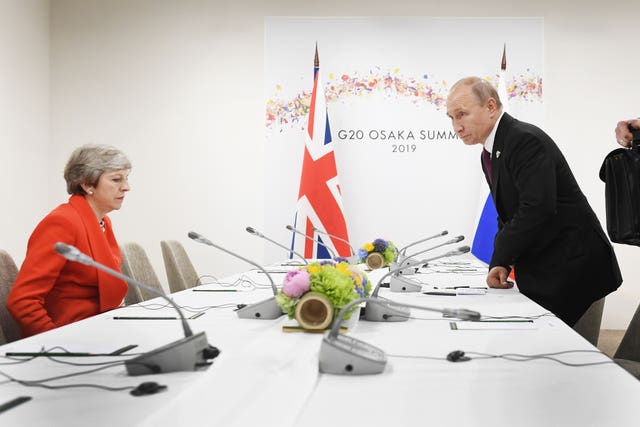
316,59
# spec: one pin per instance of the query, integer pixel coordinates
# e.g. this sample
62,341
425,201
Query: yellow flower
357,279
313,268
368,247
342,267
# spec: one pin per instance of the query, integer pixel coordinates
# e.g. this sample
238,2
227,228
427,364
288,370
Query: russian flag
486,229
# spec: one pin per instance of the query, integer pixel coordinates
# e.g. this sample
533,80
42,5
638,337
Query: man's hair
481,89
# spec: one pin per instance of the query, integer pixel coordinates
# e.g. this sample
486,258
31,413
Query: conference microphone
255,232
267,309
186,354
403,250
354,258
400,283
344,355
389,311
331,251
411,257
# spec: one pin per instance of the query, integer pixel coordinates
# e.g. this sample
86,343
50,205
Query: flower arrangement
321,289
378,253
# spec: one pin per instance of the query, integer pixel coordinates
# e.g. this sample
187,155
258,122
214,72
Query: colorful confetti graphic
291,113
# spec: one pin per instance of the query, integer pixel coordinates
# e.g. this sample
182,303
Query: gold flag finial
503,66
316,60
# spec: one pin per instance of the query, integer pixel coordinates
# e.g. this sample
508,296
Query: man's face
471,120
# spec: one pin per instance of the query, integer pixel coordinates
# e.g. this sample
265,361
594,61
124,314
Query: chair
628,353
180,271
9,329
136,264
589,324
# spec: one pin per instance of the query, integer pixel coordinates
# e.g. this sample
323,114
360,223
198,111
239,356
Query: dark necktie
486,160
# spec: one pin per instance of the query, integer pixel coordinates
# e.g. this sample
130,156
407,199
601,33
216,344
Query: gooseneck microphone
403,261
331,251
186,354
267,309
404,249
255,232
344,355
448,242
317,230
400,283
390,311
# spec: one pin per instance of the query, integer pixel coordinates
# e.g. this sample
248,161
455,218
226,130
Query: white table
265,377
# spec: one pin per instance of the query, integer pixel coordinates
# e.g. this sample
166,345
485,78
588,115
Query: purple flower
295,283
380,245
362,253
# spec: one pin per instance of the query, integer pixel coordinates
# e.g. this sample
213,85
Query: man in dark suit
547,231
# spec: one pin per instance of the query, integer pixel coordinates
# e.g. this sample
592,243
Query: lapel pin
497,154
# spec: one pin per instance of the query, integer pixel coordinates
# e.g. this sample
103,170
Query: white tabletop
268,377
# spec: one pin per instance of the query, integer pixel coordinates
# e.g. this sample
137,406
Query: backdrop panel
403,173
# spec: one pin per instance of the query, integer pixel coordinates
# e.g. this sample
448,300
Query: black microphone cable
483,318
534,317
16,360
187,308
41,382
461,356
53,353
244,282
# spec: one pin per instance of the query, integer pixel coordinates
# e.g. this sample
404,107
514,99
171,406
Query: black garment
546,228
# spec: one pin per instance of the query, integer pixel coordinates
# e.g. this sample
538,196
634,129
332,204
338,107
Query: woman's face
108,194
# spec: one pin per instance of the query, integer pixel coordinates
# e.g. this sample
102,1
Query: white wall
24,120
178,85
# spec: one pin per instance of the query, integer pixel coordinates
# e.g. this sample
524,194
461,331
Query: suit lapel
497,154
104,249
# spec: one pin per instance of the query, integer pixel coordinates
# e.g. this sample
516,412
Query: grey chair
136,264
180,271
9,329
628,353
589,324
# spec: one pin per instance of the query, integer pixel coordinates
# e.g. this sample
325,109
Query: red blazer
51,291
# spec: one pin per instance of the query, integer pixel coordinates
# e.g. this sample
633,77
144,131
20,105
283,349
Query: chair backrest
9,329
136,264
629,347
180,271
589,324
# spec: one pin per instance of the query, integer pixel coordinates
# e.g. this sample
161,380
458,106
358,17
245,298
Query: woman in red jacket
51,291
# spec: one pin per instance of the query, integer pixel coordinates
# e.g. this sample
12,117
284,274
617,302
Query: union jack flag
320,199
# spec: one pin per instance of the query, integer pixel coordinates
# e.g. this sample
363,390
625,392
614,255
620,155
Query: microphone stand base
263,310
185,354
403,284
386,312
345,355
409,270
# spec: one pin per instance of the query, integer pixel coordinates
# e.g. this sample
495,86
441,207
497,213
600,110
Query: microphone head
72,253
444,233
463,249
62,248
251,230
458,239
197,237
290,228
